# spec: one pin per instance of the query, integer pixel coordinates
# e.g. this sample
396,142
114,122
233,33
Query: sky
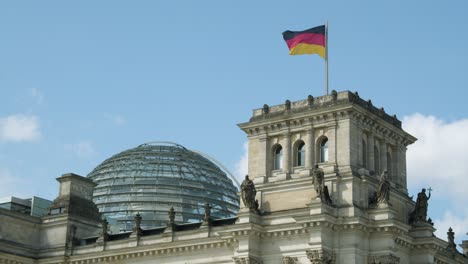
81,81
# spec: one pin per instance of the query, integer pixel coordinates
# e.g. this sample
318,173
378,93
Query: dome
152,178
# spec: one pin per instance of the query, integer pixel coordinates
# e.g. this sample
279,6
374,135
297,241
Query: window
324,150
278,158
56,211
300,154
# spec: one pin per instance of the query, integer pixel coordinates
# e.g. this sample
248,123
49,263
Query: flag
310,41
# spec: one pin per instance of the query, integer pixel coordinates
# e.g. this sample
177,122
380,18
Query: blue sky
81,81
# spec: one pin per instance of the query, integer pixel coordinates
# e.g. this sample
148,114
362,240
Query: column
261,169
402,166
332,145
370,152
287,153
310,149
383,156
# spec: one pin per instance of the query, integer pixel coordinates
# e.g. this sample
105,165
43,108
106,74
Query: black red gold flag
310,41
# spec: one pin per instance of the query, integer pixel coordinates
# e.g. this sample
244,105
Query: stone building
329,186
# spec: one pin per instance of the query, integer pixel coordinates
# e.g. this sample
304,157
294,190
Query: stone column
383,156
402,166
370,152
264,157
287,153
332,145
310,149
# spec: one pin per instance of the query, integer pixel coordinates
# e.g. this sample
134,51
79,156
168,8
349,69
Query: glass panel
151,179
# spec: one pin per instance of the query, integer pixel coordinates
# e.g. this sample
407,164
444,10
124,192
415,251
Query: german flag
310,41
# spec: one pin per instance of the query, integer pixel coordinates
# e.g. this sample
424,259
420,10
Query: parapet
321,102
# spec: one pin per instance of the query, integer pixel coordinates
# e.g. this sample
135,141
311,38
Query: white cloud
458,224
17,128
241,167
36,95
438,159
82,149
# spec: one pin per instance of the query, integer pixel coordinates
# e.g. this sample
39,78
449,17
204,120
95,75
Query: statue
248,193
420,209
318,181
383,190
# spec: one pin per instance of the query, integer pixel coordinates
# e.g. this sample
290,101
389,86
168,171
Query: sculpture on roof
419,213
248,193
318,182
383,190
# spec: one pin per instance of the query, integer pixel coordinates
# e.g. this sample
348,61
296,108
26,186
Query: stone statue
383,190
248,193
420,209
318,181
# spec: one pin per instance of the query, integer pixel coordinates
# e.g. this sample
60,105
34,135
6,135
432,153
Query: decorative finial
207,215
451,239
266,109
287,104
310,100
171,214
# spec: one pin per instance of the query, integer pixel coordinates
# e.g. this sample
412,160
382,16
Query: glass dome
152,178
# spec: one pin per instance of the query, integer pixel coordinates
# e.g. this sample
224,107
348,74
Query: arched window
278,158
300,154
376,161
364,154
324,150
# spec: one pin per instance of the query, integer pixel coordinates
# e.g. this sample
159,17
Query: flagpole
326,57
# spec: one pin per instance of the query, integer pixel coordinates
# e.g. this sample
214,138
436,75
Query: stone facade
349,139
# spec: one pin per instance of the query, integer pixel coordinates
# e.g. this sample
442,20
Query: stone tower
353,216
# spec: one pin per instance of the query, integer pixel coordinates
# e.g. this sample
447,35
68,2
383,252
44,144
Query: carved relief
320,256
247,260
290,260
387,259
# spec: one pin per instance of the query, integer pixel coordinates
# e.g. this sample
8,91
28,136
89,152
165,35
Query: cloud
241,167
458,224
439,156
18,128
36,95
82,149
438,160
